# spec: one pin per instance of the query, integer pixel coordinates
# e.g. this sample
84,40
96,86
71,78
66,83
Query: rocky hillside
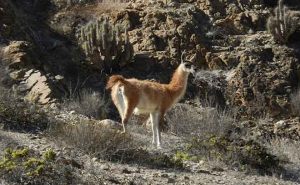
56,56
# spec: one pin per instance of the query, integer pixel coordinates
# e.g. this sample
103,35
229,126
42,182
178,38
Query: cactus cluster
105,45
282,24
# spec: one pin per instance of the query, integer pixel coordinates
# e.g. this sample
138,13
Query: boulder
36,87
16,56
34,84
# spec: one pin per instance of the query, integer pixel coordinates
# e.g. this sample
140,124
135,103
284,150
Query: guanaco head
186,65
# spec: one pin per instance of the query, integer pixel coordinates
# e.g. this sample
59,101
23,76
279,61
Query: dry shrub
286,149
192,121
97,140
16,114
213,134
88,103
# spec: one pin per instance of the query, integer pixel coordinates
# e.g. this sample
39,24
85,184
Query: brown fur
113,80
161,96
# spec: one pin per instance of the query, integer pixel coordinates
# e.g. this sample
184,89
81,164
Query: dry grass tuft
191,121
88,103
288,150
97,140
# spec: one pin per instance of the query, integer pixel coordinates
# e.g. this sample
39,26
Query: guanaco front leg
154,116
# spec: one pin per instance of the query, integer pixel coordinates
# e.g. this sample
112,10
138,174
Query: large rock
24,77
36,87
16,56
264,79
166,32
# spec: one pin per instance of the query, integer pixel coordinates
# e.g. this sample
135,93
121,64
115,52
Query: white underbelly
138,111
144,110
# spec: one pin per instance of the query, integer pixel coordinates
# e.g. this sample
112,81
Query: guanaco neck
178,83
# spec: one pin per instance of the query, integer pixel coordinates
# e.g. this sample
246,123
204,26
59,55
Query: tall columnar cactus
105,45
282,24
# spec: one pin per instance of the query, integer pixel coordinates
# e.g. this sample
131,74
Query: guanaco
148,97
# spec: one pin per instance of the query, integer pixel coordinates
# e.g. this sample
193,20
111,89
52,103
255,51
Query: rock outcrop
265,77
24,76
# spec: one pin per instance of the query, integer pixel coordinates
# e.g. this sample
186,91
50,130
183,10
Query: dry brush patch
214,135
110,144
87,102
195,121
288,151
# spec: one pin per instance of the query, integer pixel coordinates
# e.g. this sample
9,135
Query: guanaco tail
147,97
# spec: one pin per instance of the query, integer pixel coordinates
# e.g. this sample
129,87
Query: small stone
104,167
186,178
165,175
58,77
126,171
171,180
34,137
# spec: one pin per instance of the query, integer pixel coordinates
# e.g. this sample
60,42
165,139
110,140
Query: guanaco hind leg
127,108
119,101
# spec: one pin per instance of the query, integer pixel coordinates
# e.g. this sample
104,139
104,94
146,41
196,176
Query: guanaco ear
193,58
182,54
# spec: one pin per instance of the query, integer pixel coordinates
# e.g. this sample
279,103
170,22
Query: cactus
283,24
104,44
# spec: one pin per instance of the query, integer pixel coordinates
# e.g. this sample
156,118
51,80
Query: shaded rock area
24,77
154,28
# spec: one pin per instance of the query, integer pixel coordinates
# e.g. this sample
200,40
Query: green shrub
25,166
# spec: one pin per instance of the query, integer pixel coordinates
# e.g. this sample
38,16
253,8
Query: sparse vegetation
213,135
285,149
243,154
25,166
283,24
105,45
98,140
88,103
190,121
20,115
